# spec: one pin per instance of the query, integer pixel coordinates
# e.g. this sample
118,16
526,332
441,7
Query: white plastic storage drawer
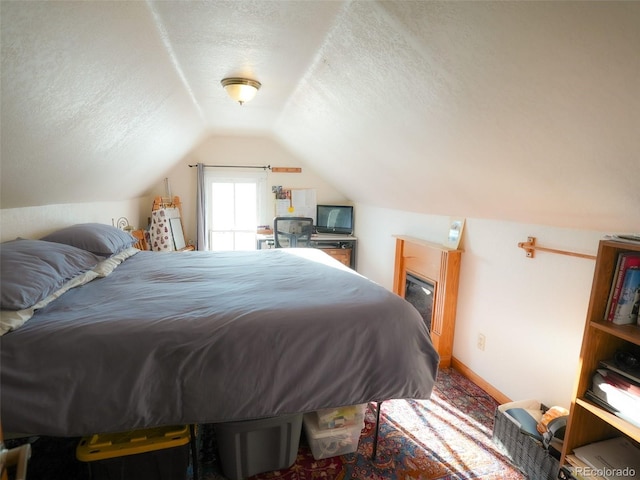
331,442
348,416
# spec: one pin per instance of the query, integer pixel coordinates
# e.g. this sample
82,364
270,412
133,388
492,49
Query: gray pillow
31,270
97,238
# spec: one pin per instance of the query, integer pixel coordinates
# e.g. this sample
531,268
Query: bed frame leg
375,434
194,451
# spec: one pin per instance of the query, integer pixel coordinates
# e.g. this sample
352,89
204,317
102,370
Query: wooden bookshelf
589,422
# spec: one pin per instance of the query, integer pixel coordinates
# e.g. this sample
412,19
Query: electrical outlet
481,341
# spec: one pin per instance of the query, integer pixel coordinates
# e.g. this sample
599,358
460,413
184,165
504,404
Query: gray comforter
205,337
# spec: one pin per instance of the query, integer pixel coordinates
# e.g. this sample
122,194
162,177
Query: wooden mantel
440,266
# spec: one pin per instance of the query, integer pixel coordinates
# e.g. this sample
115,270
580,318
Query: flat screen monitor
334,219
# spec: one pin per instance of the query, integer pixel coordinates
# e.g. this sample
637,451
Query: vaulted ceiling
518,111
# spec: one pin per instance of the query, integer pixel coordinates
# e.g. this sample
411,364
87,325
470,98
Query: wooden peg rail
530,247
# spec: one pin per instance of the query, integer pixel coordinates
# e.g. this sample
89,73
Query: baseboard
478,380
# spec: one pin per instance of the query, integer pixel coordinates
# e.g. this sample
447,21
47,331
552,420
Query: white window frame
216,175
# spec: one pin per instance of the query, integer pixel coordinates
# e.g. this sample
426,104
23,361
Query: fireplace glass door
419,293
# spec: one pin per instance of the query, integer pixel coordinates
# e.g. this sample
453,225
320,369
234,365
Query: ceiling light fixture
240,90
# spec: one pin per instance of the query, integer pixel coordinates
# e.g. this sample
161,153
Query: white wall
531,311
236,150
35,222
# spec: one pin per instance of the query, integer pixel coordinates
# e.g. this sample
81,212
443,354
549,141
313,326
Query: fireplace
420,293
419,262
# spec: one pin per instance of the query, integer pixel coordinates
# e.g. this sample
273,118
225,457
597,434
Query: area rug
447,437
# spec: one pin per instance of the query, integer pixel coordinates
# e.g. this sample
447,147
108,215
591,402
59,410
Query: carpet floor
445,438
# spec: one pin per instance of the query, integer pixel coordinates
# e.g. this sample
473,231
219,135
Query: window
235,202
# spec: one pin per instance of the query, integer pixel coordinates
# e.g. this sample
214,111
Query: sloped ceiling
518,111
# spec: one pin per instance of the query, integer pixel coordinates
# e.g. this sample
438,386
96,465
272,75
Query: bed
145,339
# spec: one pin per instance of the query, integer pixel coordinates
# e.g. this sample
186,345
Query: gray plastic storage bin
250,447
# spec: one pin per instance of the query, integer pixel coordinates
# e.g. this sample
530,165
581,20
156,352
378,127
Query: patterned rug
445,438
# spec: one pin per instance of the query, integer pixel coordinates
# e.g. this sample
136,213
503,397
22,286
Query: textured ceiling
518,111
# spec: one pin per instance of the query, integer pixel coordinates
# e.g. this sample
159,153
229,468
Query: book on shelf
593,396
622,304
631,372
626,237
613,459
616,393
580,470
614,292
628,304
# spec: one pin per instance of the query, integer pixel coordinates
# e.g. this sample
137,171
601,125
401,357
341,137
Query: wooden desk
340,247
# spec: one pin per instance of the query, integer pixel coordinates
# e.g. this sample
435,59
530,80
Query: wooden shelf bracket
530,248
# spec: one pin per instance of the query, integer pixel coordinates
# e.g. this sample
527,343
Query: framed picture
456,226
